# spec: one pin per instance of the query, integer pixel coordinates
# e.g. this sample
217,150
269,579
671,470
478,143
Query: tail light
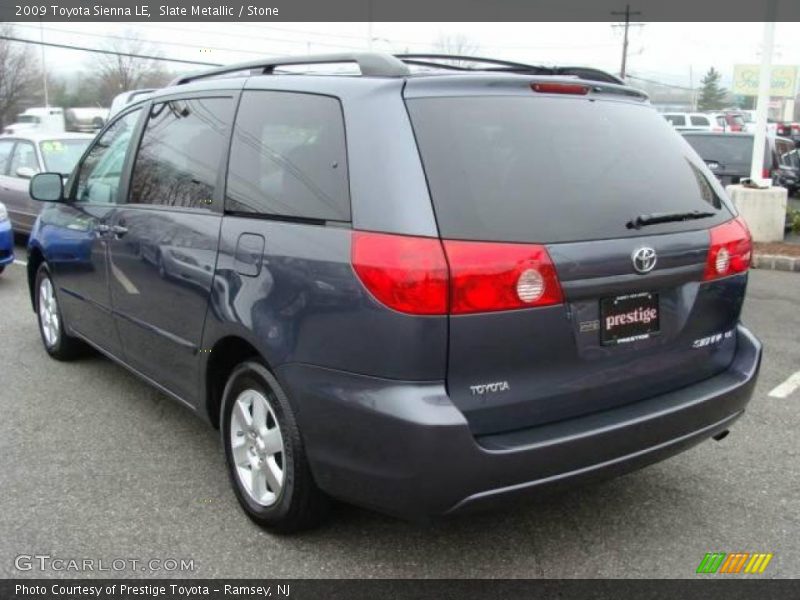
730,250
487,276
766,173
425,276
408,274
795,126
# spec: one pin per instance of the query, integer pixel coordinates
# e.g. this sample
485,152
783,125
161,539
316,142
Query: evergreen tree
712,96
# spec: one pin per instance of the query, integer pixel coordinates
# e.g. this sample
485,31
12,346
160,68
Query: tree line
102,77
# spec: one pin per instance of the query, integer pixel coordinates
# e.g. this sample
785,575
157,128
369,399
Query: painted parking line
787,387
21,263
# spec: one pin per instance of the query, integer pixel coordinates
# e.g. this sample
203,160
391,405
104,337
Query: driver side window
99,175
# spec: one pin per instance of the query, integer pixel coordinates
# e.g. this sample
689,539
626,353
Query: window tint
5,152
676,120
537,169
99,174
181,151
288,157
699,121
24,157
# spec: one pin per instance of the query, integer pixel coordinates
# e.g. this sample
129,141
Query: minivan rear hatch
727,155
588,175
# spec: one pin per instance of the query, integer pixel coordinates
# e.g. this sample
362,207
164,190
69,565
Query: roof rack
435,61
371,64
376,64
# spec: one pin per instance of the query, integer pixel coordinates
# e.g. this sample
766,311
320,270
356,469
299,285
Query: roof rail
435,60
371,64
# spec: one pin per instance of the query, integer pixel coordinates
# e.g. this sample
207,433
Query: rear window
676,120
699,121
61,156
723,149
528,169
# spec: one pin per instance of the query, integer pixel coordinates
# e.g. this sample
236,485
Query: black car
729,156
395,289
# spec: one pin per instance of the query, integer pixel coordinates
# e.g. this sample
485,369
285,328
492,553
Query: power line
255,37
120,37
111,52
661,83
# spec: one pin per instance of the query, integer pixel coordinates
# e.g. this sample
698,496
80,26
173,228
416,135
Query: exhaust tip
722,435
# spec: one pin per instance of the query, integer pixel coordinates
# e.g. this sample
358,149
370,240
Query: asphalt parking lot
96,464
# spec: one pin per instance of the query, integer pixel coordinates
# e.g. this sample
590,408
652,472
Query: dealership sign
783,82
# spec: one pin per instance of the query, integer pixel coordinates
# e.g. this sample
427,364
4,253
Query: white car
693,121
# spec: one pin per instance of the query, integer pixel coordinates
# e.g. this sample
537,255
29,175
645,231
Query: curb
776,262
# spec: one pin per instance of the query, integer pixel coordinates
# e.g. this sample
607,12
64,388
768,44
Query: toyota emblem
644,259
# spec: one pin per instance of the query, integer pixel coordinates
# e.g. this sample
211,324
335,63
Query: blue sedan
6,239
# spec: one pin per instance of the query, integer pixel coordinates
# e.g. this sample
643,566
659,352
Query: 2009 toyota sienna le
423,289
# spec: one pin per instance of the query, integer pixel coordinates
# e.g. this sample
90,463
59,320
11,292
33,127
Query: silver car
24,154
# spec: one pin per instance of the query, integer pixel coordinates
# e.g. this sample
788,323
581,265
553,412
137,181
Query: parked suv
396,289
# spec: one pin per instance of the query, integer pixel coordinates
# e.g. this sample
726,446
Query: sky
672,53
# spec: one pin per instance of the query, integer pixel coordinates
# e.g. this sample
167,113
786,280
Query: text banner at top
392,10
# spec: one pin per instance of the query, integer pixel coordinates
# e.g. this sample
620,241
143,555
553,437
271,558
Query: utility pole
627,14
44,65
762,102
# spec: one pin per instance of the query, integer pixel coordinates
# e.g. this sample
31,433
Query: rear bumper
403,448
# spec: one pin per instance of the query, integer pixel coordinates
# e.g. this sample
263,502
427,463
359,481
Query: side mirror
26,172
47,187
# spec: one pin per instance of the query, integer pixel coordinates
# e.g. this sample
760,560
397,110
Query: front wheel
265,453
57,343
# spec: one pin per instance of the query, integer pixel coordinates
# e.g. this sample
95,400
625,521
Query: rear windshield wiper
655,218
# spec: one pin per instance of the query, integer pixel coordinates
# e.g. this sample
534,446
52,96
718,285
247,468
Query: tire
2,268
254,461
56,342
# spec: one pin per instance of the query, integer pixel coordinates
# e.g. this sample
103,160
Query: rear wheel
265,453
57,343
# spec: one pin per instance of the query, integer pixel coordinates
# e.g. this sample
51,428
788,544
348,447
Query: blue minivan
395,289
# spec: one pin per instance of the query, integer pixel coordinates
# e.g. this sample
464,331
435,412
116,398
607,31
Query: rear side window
699,121
181,153
543,169
288,157
676,120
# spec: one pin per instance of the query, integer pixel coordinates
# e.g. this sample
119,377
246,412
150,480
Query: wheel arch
226,353
35,260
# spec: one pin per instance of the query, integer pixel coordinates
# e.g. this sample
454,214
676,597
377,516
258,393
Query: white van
46,119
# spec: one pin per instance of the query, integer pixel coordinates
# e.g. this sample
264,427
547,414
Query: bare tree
117,73
458,45
19,75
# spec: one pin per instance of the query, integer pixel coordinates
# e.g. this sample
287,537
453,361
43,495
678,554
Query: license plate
628,318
